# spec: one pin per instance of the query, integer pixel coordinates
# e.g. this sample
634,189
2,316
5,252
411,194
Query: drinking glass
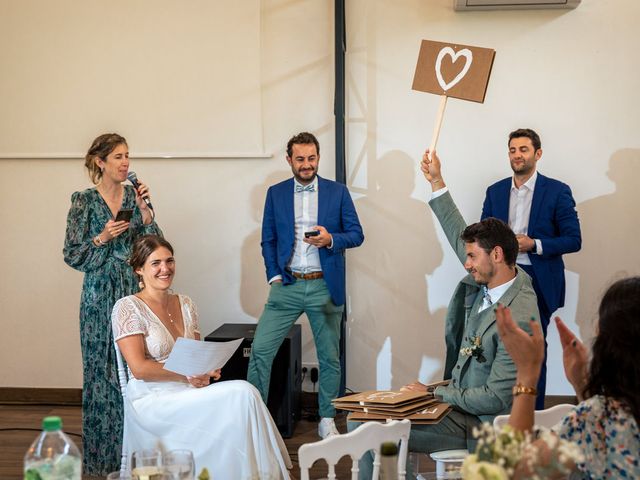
179,464
147,465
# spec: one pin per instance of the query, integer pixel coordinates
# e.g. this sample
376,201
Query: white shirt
305,257
520,200
495,294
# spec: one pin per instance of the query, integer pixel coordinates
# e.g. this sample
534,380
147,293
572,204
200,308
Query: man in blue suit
541,212
307,225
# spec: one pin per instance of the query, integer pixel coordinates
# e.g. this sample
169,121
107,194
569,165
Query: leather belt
308,276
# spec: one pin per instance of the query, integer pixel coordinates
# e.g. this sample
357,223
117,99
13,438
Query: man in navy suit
541,212
307,225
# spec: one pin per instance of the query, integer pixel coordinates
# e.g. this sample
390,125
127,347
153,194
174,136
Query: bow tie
307,188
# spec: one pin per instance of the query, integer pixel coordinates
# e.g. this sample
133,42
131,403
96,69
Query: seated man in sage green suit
480,370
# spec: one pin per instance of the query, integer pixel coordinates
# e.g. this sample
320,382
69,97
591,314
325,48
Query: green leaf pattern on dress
108,277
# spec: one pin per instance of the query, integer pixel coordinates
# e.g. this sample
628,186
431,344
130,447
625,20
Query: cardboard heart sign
436,74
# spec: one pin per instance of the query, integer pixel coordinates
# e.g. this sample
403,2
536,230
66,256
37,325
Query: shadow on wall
254,288
610,231
388,279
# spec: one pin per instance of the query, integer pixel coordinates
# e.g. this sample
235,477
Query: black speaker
285,387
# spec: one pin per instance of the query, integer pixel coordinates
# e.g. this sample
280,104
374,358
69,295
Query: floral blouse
608,435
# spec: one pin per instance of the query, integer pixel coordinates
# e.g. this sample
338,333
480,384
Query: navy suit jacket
336,213
553,220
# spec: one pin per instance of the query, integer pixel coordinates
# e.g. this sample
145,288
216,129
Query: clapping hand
575,357
526,350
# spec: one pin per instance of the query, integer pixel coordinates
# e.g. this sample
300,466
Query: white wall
570,75
210,210
74,68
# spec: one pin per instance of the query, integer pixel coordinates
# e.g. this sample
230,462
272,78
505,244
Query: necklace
166,309
150,301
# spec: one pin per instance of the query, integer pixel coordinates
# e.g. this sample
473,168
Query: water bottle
388,461
52,456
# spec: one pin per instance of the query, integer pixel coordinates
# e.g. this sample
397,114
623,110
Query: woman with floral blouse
604,425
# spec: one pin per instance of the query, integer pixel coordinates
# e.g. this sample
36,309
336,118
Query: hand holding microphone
142,191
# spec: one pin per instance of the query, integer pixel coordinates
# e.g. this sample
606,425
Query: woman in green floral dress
99,246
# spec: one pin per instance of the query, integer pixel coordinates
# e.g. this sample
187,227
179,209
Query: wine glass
147,465
179,464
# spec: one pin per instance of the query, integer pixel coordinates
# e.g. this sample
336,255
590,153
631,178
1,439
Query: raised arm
443,206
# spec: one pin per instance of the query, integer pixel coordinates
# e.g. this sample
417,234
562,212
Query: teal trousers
285,304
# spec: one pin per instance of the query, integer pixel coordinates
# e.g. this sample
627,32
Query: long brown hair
615,365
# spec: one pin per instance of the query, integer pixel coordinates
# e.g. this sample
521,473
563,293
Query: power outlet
307,385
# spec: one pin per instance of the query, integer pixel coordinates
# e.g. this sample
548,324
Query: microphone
133,178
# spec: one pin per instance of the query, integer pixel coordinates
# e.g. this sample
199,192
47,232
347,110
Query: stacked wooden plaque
383,405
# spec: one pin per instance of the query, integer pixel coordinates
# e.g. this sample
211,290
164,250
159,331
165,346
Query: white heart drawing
465,52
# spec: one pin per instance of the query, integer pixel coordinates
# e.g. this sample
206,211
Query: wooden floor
20,424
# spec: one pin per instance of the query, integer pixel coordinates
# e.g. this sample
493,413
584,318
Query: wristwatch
522,390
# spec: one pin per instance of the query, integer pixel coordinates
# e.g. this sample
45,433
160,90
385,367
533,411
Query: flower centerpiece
499,454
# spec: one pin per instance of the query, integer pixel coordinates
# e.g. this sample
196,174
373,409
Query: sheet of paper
195,357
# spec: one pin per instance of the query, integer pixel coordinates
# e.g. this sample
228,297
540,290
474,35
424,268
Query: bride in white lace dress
226,425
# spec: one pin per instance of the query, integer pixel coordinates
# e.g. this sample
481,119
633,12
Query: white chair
542,418
123,379
356,443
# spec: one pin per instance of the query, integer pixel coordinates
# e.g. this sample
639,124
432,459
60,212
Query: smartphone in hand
312,233
124,215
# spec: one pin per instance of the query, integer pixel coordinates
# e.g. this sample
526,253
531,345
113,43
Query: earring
141,285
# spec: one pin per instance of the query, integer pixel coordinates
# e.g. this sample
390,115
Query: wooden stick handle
436,128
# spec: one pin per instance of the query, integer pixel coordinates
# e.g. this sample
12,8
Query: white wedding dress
226,425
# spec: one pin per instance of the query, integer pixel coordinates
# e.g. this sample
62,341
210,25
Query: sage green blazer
485,387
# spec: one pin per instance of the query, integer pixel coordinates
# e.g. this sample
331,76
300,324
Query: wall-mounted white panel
170,76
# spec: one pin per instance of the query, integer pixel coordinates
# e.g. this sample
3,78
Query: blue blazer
336,213
553,220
